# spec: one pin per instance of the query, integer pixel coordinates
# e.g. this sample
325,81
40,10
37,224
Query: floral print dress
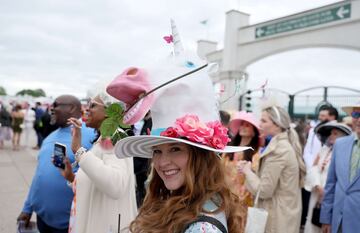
73,210
202,227
206,227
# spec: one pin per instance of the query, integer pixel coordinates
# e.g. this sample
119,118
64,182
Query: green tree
2,91
35,93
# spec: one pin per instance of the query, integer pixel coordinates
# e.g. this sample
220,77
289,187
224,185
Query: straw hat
349,109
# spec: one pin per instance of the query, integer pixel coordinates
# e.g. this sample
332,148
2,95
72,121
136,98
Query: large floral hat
181,97
188,129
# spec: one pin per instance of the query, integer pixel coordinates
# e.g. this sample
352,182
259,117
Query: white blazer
105,188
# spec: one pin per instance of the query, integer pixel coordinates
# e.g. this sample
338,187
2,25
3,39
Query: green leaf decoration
108,127
114,111
112,126
124,126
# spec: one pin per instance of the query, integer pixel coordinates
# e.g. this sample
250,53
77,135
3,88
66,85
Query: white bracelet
79,153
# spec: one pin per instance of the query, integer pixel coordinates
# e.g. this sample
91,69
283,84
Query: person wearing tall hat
186,190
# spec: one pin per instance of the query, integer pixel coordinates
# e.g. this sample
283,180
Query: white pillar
234,21
229,70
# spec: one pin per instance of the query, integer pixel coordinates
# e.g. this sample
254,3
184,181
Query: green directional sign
307,20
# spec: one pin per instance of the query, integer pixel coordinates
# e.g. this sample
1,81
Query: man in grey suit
340,209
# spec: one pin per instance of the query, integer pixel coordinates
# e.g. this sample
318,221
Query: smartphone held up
59,155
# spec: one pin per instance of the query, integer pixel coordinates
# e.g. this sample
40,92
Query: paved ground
16,171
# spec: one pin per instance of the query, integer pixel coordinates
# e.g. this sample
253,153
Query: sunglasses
93,104
355,114
55,104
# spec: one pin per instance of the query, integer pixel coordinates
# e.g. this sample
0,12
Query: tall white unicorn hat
181,96
178,48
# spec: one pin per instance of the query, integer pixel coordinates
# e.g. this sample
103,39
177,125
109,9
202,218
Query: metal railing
304,103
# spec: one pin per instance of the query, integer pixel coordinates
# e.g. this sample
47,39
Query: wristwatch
79,153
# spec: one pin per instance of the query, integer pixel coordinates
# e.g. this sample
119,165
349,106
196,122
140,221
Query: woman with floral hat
187,191
104,186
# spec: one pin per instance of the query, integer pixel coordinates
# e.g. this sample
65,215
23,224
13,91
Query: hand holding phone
59,155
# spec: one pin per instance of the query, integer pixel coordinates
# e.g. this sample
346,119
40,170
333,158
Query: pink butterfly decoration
168,39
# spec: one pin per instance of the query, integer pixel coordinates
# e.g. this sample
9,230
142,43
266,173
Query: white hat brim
325,129
141,146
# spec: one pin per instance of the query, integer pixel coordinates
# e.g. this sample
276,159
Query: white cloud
66,46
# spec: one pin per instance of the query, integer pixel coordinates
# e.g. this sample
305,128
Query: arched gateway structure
336,25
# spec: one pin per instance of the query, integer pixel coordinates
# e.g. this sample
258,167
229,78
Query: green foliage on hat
112,125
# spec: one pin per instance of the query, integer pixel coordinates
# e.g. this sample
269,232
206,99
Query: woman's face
246,129
335,133
170,162
95,113
267,126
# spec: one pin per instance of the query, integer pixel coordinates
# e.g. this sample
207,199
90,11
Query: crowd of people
103,187
279,170
18,120
184,167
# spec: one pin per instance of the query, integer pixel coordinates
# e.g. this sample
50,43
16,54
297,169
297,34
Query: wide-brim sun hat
350,108
141,146
211,136
324,130
243,116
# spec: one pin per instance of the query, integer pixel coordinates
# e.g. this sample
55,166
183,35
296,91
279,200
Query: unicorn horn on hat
178,48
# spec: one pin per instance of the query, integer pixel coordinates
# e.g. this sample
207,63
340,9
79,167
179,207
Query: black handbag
315,219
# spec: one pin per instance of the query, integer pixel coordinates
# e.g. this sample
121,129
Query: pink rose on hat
216,142
220,137
190,127
170,132
213,134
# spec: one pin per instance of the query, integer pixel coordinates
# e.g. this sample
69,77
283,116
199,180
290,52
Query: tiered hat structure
181,97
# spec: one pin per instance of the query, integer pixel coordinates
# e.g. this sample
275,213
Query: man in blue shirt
50,197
